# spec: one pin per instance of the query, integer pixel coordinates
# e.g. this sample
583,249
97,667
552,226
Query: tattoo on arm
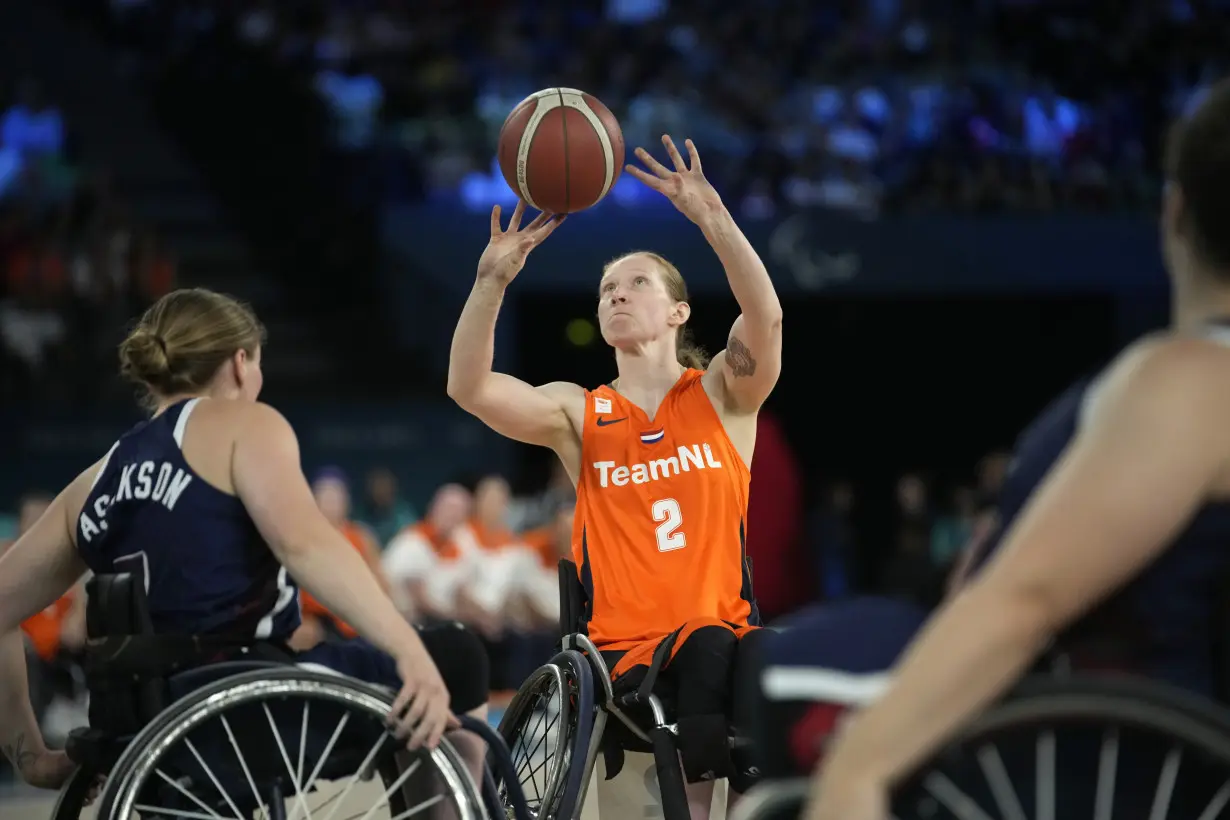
18,753
739,358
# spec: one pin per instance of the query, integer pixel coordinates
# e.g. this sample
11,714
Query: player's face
450,509
633,304
491,501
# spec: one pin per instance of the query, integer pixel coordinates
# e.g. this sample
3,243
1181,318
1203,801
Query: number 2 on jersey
670,518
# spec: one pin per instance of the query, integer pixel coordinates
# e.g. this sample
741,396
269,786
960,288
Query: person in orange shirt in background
493,571
425,562
333,497
56,632
540,588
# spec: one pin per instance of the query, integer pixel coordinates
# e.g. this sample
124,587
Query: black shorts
457,652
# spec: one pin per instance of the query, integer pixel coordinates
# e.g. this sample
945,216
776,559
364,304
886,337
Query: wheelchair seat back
130,668
575,608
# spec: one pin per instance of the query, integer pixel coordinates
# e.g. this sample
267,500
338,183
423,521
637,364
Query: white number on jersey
670,518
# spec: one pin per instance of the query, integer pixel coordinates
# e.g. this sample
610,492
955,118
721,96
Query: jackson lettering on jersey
157,481
695,456
205,567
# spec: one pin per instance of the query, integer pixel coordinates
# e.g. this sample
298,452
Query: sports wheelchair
203,729
1059,745
572,694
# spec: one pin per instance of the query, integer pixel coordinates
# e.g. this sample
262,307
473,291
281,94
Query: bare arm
747,370
533,415
371,554
752,361
42,566
271,484
1146,458
511,407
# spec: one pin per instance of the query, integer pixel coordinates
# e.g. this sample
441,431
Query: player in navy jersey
207,503
1116,513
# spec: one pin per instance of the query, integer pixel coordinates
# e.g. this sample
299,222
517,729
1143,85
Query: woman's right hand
507,250
421,710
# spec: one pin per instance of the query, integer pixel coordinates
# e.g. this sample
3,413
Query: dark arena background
957,203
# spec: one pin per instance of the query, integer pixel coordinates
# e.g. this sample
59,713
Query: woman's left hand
686,186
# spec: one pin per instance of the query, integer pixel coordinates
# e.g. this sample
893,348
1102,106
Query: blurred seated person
426,562
493,573
539,598
332,493
387,512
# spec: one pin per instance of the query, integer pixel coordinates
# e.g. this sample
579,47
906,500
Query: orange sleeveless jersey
661,504
312,608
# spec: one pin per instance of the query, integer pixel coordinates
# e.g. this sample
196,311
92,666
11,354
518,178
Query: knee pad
460,656
704,747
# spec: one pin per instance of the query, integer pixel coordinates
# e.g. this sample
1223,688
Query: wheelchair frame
661,733
131,672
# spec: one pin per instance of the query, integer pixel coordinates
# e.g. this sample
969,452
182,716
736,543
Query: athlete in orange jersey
660,457
425,562
333,497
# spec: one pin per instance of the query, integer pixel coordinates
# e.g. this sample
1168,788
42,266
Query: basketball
561,150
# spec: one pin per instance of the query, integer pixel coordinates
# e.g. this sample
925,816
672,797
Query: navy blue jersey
1162,624
206,569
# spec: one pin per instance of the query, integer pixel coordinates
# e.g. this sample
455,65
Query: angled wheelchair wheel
71,802
547,729
1077,748
289,744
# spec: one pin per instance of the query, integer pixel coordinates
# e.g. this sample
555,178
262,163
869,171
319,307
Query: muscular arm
533,415
752,361
271,484
1146,458
34,573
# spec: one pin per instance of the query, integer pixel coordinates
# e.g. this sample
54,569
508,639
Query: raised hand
686,186
507,249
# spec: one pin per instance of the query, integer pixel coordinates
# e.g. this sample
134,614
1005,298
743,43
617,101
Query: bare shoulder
1184,379
254,418
569,396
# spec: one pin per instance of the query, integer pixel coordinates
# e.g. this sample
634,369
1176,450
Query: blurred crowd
74,266
858,106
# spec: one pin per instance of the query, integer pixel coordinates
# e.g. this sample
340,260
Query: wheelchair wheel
547,729
71,802
292,743
1091,747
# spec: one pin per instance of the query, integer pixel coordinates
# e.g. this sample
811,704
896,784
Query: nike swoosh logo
605,422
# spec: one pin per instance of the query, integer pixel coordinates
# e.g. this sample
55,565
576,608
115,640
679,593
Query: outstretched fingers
518,212
693,157
645,177
652,164
673,153
544,230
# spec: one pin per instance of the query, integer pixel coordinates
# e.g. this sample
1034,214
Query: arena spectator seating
853,106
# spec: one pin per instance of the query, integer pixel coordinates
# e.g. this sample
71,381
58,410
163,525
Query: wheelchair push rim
561,686
138,767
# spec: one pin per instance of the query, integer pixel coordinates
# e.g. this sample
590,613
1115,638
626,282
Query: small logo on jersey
602,405
608,422
653,436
